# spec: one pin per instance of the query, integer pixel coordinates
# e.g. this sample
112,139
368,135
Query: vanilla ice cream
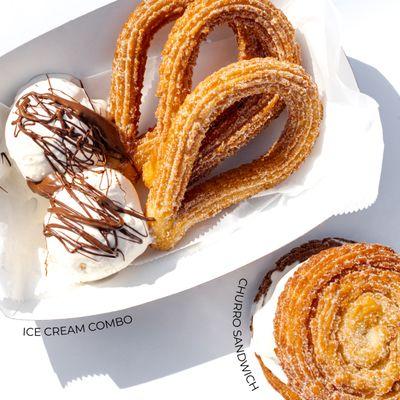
28,150
264,310
96,233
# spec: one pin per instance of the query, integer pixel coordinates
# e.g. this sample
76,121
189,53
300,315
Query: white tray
84,47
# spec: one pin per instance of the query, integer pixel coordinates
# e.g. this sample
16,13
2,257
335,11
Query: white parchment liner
342,175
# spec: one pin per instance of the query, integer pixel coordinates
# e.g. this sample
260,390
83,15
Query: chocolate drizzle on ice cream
95,210
82,137
77,141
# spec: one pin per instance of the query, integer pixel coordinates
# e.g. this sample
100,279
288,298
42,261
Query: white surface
190,335
22,20
215,247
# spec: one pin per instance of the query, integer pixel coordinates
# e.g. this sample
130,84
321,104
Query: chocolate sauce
4,159
80,139
47,187
299,254
94,210
109,132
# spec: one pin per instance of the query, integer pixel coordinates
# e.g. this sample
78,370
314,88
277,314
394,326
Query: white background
181,347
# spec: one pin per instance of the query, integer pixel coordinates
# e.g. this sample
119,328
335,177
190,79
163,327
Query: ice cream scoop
72,155
44,135
94,227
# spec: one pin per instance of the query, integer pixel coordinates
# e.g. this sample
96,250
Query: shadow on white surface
381,222
166,336
194,327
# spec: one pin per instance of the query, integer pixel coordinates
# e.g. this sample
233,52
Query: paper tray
326,185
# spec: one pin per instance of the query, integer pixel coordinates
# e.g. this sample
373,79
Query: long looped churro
268,32
131,56
130,61
337,326
176,210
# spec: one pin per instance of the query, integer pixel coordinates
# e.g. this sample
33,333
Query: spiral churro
337,326
175,210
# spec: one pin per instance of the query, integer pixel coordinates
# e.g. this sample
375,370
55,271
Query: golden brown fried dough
174,208
261,30
130,61
337,326
131,56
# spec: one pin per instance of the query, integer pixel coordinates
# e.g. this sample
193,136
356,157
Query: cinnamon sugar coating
261,30
337,326
175,208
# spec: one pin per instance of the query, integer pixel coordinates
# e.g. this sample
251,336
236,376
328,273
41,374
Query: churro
174,208
130,61
336,326
268,32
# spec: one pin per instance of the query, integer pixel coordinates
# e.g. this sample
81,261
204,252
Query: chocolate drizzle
73,143
299,254
4,160
79,139
94,210
46,187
